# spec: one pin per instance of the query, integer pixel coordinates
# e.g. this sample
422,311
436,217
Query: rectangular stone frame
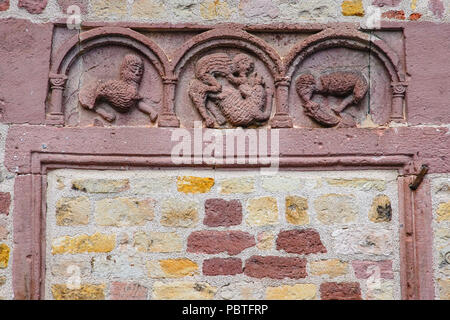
30,212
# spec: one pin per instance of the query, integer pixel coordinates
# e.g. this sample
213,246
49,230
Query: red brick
300,241
5,202
340,291
222,213
211,242
275,267
4,5
394,14
365,269
221,266
33,6
128,291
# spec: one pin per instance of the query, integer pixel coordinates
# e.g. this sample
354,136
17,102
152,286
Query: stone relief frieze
227,77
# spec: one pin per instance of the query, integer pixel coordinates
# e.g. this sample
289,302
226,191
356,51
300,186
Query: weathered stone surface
394,14
365,241
178,213
259,8
67,267
101,185
128,291
3,232
4,255
120,212
388,3
2,280
97,242
5,202
147,8
380,290
123,266
237,185
72,211
359,183
352,8
436,7
4,5
172,268
221,266
296,210
443,211
281,184
340,291
211,242
292,292
33,6
332,267
336,208
158,242
153,185
215,9
194,184
415,16
222,213
183,291
265,240
83,5
275,267
107,8
300,241
381,210
262,211
241,291
365,269
444,289
85,292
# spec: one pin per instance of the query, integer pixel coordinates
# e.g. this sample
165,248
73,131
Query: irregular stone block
332,267
353,8
366,269
443,211
364,241
300,242
147,8
237,185
101,185
104,9
85,292
382,290
67,267
194,184
222,266
281,184
158,242
4,5
3,232
262,211
120,212
275,267
172,268
179,213
336,208
212,242
296,210
183,291
222,213
358,183
381,210
4,255
5,202
33,6
340,291
292,292
128,291
265,240
72,211
97,242
444,289
214,9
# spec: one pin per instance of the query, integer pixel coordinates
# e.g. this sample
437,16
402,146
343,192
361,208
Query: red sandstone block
415,16
5,202
211,242
222,213
220,266
300,241
394,14
33,6
365,269
340,291
128,291
275,267
4,5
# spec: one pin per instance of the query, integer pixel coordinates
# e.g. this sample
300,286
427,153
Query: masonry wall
141,233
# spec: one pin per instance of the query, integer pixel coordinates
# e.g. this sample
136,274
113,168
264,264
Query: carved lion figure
242,104
122,95
352,86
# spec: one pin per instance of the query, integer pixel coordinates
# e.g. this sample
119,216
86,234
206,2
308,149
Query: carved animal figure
242,104
122,95
350,85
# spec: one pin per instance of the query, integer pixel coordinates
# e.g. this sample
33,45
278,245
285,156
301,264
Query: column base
168,120
281,121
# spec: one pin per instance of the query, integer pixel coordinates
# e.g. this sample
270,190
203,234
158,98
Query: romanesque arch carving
121,94
252,72
350,85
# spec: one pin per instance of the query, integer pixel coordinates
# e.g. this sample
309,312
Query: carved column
398,96
55,114
167,117
282,119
